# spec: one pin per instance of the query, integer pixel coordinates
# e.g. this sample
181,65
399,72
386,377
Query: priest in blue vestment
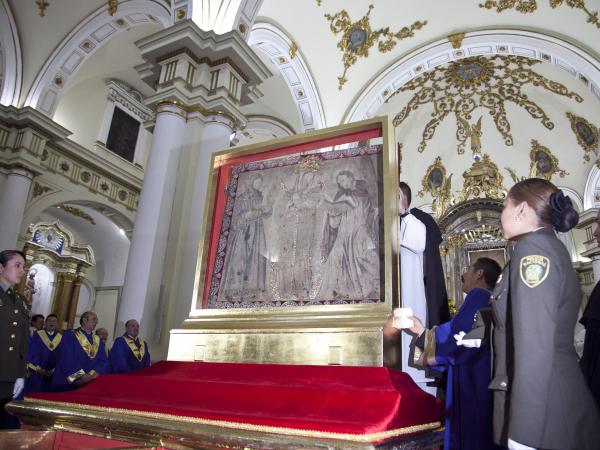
468,399
81,356
128,352
41,357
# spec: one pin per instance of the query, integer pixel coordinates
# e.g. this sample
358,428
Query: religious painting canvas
301,230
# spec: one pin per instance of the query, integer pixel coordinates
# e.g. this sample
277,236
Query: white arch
269,127
274,43
81,43
35,208
592,189
11,65
529,44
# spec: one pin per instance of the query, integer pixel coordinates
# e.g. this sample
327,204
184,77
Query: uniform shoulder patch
534,269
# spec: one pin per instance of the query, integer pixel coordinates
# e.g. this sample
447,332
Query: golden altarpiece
53,246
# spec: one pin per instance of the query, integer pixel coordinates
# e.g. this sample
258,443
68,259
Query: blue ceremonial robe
43,350
74,361
468,399
124,359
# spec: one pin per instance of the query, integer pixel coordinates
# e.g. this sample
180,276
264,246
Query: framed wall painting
301,224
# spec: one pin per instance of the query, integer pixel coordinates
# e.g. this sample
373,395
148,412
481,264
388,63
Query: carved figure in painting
245,268
295,275
349,247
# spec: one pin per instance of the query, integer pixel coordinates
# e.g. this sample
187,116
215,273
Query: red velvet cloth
338,399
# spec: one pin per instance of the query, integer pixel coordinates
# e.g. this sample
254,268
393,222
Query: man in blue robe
468,399
128,352
41,358
81,356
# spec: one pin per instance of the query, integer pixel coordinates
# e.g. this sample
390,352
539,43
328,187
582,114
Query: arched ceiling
306,25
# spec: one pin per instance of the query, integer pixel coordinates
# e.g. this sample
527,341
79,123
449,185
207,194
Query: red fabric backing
355,400
224,175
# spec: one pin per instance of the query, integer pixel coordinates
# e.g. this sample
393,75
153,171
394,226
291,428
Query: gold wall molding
293,51
488,82
358,37
39,189
586,134
456,39
530,6
76,212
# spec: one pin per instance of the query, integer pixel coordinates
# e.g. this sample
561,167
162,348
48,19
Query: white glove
469,343
18,388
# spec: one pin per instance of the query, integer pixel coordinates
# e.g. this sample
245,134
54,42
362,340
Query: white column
142,286
215,137
13,200
596,268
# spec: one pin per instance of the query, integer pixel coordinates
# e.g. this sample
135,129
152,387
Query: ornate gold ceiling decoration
358,37
439,186
586,133
113,5
483,179
293,50
542,164
469,83
456,39
529,6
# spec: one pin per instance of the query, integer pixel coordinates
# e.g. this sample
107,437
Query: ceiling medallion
358,38
461,86
529,6
587,134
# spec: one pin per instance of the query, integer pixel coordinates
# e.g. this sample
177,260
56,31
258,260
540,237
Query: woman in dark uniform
541,399
14,332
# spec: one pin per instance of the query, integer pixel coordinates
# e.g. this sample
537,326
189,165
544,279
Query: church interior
116,115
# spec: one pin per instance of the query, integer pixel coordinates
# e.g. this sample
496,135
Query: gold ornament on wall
478,82
543,164
76,212
530,6
586,133
436,184
456,39
293,50
358,37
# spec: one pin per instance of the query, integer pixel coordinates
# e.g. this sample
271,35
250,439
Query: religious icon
586,133
543,163
357,39
301,231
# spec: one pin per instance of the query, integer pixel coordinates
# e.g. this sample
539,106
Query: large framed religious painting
301,222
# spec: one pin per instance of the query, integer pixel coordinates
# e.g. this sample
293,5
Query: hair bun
564,216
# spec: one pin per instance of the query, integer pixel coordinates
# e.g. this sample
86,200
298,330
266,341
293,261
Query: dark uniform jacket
14,335
540,396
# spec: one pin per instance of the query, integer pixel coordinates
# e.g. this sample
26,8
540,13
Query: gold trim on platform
367,437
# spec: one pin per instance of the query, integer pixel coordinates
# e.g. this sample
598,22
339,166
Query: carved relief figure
350,243
245,269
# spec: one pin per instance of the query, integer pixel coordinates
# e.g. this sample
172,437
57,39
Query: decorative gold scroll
586,133
530,6
358,37
478,82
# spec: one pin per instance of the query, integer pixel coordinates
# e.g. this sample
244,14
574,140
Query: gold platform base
172,434
344,346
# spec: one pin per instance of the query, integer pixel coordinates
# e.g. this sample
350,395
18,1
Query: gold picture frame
586,133
243,334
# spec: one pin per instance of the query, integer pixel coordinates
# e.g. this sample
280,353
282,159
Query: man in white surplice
412,239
